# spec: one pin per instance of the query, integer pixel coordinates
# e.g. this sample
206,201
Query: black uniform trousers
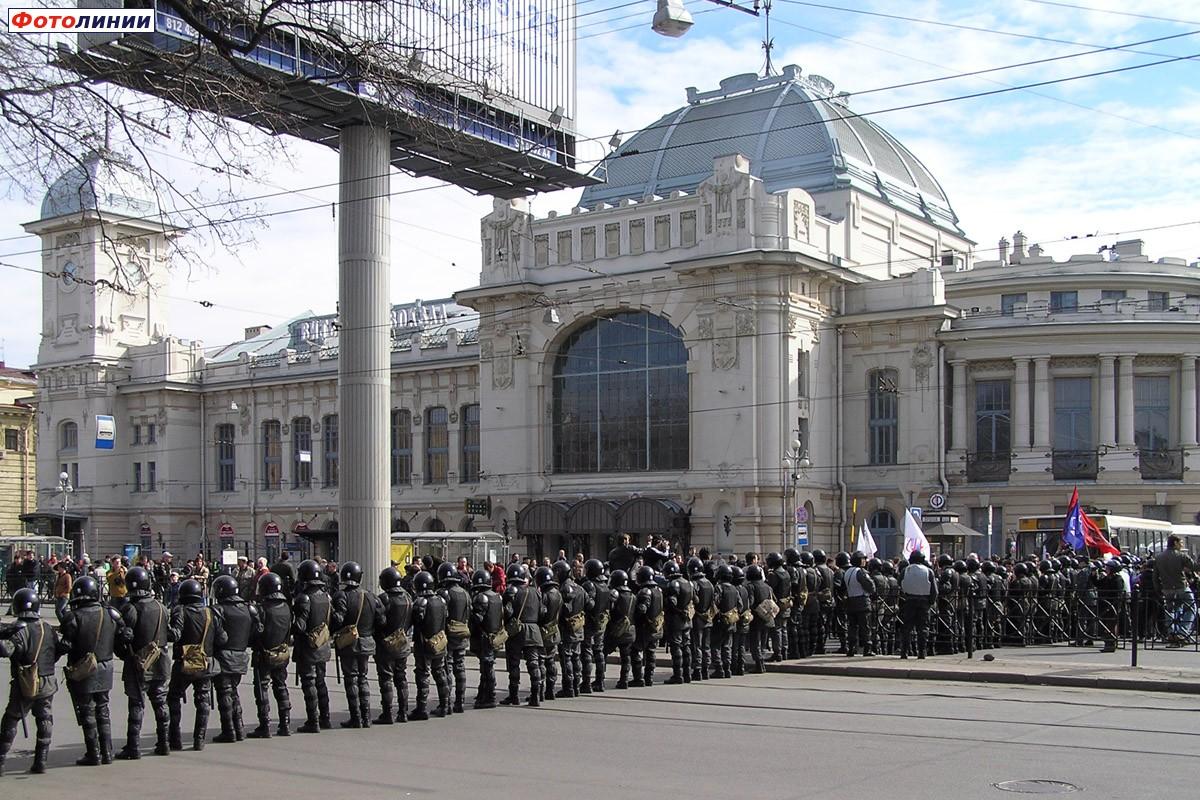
570,658
138,690
486,692
270,680
392,672
642,657
722,648
532,655
357,681
914,618
456,667
858,625
592,660
201,687
91,712
427,664
229,703
316,693
701,643
18,706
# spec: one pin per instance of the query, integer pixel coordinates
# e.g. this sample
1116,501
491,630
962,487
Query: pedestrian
62,589
522,610
1170,576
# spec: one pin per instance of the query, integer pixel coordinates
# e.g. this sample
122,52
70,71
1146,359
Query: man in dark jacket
354,613
648,621
90,631
458,629
679,602
704,597
147,663
522,610
571,623
487,620
238,621
272,650
392,647
30,645
620,634
552,604
197,634
429,644
597,604
312,616
623,556
286,571
780,580
860,588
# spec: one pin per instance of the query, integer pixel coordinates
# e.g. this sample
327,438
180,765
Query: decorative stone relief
746,325
705,328
800,220
991,365
725,348
453,417
922,361
502,232
1073,361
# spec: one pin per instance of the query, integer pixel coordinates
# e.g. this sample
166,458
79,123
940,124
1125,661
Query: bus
1036,535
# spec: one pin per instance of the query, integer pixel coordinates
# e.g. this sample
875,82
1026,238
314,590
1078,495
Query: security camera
672,19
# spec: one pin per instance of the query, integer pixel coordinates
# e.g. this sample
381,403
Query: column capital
956,362
1108,356
1127,356
1188,357
1022,359
1040,359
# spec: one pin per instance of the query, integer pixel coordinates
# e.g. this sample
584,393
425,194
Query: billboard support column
364,362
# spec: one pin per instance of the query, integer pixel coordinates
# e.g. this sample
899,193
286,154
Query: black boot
385,717
263,731
91,741
420,712
285,723
104,736
239,728
40,752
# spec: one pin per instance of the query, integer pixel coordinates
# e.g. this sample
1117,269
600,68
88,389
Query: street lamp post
64,486
797,461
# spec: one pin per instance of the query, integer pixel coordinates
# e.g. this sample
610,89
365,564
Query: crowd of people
558,622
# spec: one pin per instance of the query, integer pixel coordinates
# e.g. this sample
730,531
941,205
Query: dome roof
103,182
798,134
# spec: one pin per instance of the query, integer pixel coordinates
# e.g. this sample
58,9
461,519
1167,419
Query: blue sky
1110,154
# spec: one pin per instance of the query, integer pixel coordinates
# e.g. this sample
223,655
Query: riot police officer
271,644
238,620
197,633
793,618
762,618
393,647
458,630
312,615
860,589
487,629
32,648
147,663
704,597
946,616
522,612
741,637
780,581
599,603
90,631
729,615
811,615
825,581
552,604
429,645
680,609
355,611
919,589
573,620
648,622
620,634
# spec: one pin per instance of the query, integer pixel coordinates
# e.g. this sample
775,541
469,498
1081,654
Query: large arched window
68,436
621,397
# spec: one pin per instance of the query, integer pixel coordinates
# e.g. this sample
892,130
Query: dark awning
542,518
592,516
652,515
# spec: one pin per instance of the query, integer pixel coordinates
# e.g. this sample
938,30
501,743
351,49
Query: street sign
801,514
226,531
271,529
937,501
478,507
801,534
917,513
229,558
106,432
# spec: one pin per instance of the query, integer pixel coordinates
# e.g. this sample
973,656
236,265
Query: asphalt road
777,736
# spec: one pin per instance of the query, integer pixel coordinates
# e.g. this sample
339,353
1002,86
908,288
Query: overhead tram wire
1114,11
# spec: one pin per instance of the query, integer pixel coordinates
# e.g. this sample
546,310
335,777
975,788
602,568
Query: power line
1114,11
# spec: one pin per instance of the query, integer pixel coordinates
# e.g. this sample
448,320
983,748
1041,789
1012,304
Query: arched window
883,531
68,436
469,438
272,455
301,453
621,397
435,525
329,432
401,446
882,390
226,462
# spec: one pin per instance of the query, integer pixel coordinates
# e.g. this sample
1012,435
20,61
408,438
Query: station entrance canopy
475,93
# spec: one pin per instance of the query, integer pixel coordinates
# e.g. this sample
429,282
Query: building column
364,363
1041,402
1187,401
958,408
1020,405
1125,401
1108,411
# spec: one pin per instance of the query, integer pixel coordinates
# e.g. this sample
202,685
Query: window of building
1064,302
541,250
587,244
662,232
802,367
993,417
637,236
469,436
401,446
991,526
1112,295
74,474
1159,512
272,455
151,437
564,247
1152,412
437,445
620,397
1073,414
883,530
1158,301
329,449
12,439
137,434
301,453
68,436
137,476
687,228
226,463
1009,302
151,476
612,240
883,423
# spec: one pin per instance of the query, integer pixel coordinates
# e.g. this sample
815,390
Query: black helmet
972,564
670,570
190,592
350,574
562,570
842,559
960,566
137,581
887,568
739,577
945,560
224,588
1066,562
988,567
724,573
874,566
791,555
517,573
710,570
916,557
857,558
423,582
818,556
618,579
389,579
446,573
270,587
1113,565
1001,571
482,579
1020,569
754,573
85,590
695,567
644,575
25,604
543,576
1046,566
807,559
774,560
309,571
593,569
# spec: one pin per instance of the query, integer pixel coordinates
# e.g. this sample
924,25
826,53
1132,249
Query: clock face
69,274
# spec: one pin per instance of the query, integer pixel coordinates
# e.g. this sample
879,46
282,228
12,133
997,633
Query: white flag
914,538
866,542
